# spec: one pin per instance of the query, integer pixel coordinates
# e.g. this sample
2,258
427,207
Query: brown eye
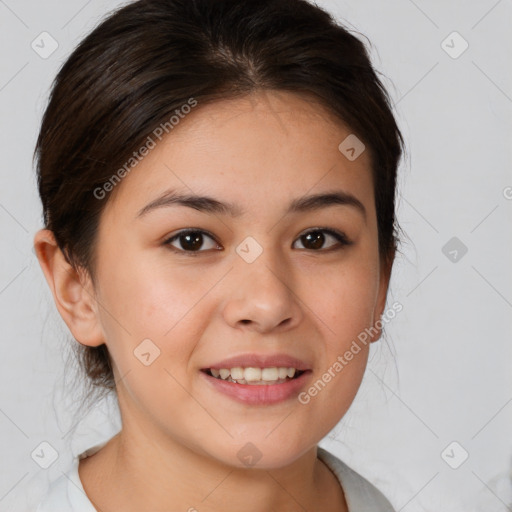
315,238
190,241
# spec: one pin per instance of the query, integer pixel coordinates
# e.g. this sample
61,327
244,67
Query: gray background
444,373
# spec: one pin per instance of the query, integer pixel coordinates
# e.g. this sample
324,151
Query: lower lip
264,394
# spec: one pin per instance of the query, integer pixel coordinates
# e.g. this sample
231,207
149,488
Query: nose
262,296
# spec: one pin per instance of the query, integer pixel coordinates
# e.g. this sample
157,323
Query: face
262,286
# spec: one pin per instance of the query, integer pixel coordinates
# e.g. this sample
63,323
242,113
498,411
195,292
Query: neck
139,469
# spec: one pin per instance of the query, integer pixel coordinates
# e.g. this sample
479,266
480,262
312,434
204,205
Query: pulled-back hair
150,57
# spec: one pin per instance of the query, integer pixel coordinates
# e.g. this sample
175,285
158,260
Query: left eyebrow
213,206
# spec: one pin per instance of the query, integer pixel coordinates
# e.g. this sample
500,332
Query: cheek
146,298
346,303
152,318
350,303
149,301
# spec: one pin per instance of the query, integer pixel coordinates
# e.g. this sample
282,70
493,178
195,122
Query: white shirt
66,493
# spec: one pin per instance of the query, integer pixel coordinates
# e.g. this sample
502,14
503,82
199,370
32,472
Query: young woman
218,181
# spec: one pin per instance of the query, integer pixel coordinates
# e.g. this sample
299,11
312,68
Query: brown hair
147,59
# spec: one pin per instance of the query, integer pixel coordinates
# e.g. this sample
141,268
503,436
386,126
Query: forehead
264,148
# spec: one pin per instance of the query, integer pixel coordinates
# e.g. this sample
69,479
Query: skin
180,437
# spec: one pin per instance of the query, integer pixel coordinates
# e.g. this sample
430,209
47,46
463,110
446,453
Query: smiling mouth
255,376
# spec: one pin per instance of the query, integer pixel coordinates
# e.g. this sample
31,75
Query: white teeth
269,374
237,373
252,375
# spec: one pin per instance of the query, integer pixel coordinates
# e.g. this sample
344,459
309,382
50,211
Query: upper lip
261,361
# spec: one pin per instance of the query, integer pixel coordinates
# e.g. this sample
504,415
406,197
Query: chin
261,453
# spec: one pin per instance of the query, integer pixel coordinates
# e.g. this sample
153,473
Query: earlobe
73,292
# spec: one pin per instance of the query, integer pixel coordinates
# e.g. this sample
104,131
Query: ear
72,291
384,278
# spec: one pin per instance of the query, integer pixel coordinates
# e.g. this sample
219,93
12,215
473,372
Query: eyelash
338,235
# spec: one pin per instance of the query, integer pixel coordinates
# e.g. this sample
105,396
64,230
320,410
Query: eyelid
188,231
340,236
